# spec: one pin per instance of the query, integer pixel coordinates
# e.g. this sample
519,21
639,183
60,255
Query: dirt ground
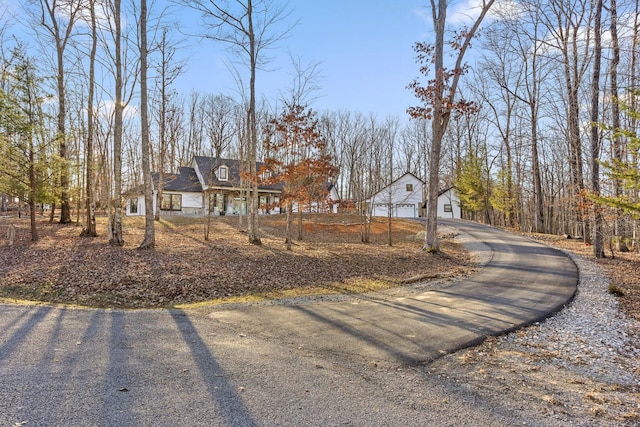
185,268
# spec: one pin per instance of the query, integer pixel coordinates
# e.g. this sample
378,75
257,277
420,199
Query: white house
181,194
405,197
449,204
329,203
214,185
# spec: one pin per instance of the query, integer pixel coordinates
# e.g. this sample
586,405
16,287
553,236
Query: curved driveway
355,362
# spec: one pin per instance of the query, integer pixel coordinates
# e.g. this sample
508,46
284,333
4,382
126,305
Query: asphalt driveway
354,362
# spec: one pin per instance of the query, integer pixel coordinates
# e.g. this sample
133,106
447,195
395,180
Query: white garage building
405,197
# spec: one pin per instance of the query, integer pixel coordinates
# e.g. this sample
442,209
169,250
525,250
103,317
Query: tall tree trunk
149,240
575,160
634,106
90,228
32,192
300,220
252,202
289,225
389,212
538,200
615,110
50,19
65,204
598,243
116,221
442,105
162,137
438,125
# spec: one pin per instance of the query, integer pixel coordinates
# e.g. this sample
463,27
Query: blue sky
365,51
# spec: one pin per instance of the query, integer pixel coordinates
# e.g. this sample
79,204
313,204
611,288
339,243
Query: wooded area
537,130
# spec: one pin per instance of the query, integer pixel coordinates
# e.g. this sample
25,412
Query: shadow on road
234,412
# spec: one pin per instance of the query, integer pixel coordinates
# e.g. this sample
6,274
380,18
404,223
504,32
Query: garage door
405,210
380,210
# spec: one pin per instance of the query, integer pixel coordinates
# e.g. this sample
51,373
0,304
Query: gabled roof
385,188
186,180
441,192
209,166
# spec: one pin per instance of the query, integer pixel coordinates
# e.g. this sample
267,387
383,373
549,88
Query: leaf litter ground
185,268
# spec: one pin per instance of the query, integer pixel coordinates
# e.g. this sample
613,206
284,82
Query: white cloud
423,14
465,12
105,110
506,8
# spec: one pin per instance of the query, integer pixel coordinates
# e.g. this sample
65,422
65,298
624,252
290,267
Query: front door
239,206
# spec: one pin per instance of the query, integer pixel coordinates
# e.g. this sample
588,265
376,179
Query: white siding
449,205
192,200
406,210
404,194
140,202
191,204
380,209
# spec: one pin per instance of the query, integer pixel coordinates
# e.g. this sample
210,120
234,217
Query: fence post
11,234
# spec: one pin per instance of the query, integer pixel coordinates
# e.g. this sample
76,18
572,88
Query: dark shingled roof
208,167
186,180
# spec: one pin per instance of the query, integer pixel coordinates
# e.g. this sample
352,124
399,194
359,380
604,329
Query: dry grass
185,268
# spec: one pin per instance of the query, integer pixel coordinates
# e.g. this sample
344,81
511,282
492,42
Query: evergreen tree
471,184
27,163
625,170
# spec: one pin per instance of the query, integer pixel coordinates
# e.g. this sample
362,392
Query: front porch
219,202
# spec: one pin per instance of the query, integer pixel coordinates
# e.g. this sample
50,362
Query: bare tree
149,240
58,18
168,69
115,225
195,124
615,108
390,132
440,97
247,28
219,122
598,243
90,206
515,45
306,82
569,28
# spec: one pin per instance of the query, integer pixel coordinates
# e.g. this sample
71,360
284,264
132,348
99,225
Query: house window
171,202
409,187
223,173
133,206
448,207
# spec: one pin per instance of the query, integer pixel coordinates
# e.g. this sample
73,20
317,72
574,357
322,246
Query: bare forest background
546,142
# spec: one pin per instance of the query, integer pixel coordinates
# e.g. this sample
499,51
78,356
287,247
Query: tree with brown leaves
298,158
439,97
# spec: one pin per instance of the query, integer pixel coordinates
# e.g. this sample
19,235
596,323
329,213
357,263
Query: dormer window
223,173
